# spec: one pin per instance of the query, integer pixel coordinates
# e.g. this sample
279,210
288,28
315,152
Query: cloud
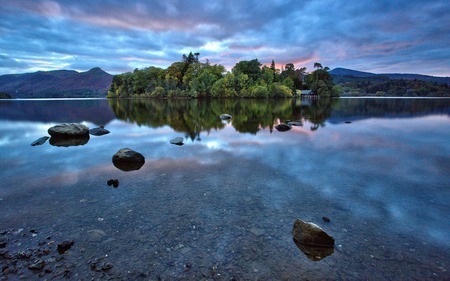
400,36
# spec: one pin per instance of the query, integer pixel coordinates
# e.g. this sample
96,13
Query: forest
386,87
191,78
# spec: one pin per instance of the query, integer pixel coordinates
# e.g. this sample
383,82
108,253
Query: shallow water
222,206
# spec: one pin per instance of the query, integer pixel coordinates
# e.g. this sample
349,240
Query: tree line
194,79
383,86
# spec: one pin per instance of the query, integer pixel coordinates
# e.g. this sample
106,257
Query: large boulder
311,234
68,130
128,160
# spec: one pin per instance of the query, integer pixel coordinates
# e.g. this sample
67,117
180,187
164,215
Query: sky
382,36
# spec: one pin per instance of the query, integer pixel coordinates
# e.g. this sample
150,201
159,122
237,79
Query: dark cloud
399,36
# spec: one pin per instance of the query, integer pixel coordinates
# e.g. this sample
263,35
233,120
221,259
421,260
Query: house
307,92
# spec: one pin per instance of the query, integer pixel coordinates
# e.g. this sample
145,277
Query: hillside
358,83
57,84
344,72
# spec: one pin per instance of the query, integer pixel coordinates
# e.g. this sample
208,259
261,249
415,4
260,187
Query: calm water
222,206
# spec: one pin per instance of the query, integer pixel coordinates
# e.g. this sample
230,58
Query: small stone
39,141
110,182
107,267
37,265
64,246
116,183
326,219
348,122
98,131
177,141
24,255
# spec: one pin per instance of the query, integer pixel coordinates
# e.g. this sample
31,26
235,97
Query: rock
326,219
96,235
225,116
110,182
311,234
107,267
100,131
3,242
348,122
64,246
294,123
69,130
37,265
67,141
177,141
314,253
128,160
115,183
39,141
283,127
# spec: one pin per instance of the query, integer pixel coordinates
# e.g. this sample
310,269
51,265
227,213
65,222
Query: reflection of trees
318,112
194,116
364,108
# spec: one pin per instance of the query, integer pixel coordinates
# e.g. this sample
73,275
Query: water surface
222,206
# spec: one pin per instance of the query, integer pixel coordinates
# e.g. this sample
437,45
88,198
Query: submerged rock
69,130
37,265
326,219
314,253
283,127
225,116
100,131
114,183
64,246
177,141
128,160
40,141
311,234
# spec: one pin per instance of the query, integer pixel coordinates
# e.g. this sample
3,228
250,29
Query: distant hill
57,84
394,76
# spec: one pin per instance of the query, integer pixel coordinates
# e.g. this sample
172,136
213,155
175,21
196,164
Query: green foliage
194,79
376,86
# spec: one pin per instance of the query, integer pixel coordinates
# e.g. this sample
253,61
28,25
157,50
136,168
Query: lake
222,206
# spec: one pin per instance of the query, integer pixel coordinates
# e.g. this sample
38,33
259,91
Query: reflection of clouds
377,169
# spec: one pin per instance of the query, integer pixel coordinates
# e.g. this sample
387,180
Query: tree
252,68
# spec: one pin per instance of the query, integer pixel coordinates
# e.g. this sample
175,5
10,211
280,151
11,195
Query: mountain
57,84
344,72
